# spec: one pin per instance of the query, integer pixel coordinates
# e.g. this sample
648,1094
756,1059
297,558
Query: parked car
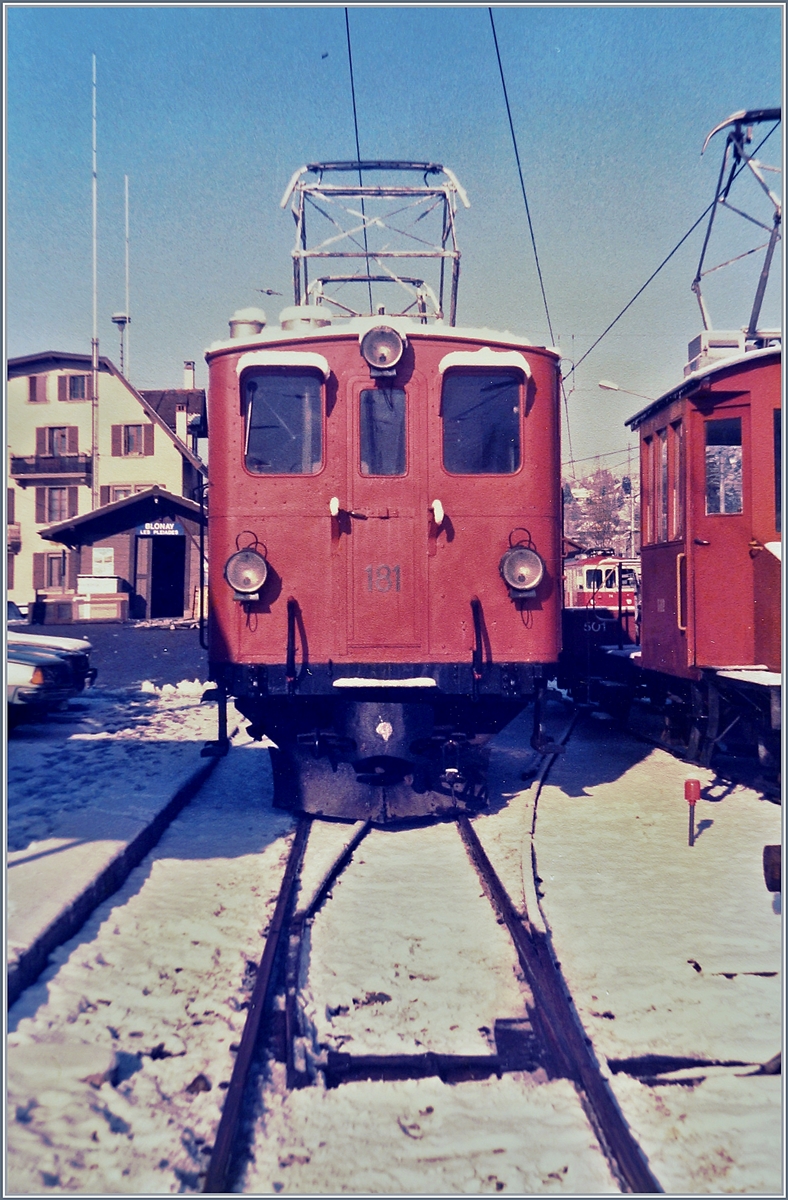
14,614
37,681
73,651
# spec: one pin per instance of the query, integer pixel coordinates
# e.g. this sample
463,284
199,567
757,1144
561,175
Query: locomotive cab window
284,422
481,422
382,431
723,466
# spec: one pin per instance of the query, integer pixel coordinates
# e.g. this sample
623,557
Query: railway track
545,1038
238,1067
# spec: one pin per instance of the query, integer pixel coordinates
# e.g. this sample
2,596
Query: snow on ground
669,949
407,956
136,740
426,1138
117,1056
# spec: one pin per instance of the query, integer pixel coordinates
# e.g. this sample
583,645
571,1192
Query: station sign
163,528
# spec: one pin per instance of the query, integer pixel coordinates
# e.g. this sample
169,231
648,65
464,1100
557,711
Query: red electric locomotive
711,542
384,516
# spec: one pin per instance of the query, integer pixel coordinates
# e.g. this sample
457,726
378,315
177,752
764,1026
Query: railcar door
386,543
721,500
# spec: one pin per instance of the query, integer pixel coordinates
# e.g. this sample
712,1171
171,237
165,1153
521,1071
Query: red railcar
600,579
384,527
710,503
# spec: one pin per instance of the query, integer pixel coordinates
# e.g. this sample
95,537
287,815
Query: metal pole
94,447
126,309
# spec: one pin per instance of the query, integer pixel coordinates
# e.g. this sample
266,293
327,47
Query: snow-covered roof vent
247,322
711,346
304,316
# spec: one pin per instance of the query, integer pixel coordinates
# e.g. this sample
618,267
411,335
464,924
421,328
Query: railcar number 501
383,578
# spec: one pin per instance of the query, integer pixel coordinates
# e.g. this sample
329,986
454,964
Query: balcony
14,536
52,469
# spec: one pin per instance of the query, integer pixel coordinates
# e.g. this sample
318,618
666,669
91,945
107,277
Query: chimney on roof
188,375
181,421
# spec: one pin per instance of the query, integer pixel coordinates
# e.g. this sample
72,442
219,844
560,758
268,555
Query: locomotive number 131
382,578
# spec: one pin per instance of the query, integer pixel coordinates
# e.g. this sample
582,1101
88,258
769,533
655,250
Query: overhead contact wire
528,215
667,259
358,149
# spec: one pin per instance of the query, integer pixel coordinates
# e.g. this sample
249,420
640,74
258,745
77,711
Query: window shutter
89,387
41,505
33,389
72,439
72,570
9,571
117,441
39,569
62,387
147,435
73,501
11,505
103,495
41,440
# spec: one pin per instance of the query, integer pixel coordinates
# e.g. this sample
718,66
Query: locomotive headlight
382,348
522,570
246,572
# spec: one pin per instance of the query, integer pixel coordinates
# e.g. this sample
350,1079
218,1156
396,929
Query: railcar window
481,422
628,578
284,426
723,466
594,579
677,481
647,490
778,470
382,422
610,579
662,486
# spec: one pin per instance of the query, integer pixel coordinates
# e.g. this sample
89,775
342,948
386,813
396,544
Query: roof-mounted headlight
246,572
522,571
382,348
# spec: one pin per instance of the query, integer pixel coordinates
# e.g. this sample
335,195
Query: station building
104,572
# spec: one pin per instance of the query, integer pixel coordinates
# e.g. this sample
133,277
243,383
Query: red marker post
692,796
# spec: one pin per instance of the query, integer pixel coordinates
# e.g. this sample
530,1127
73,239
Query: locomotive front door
721,500
386,544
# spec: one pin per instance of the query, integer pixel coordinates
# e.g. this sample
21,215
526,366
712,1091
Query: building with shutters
52,469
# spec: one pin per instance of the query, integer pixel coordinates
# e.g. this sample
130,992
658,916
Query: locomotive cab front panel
360,523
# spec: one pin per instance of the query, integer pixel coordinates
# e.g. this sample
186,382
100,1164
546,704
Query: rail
217,1176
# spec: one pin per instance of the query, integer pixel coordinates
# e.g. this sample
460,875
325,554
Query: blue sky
209,110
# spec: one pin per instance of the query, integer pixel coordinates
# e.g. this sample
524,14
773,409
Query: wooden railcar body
710,471
711,556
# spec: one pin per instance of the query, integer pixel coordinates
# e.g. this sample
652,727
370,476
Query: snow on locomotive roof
359,325
689,381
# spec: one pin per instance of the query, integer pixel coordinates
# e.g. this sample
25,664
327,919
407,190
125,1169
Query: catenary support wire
358,148
665,260
530,223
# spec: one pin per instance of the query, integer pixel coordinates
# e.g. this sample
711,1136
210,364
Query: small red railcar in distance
384,524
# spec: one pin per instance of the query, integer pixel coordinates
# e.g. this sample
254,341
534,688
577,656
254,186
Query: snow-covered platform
668,949
90,793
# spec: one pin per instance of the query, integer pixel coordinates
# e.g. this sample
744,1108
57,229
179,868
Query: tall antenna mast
128,318
122,319
94,448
